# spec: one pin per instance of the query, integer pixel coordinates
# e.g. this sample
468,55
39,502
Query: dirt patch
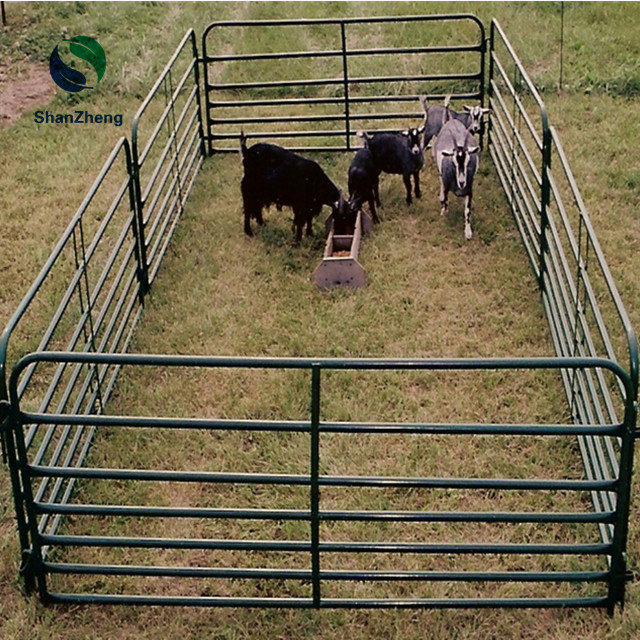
23,89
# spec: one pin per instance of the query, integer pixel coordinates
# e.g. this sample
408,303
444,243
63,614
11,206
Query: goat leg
416,180
372,208
468,234
251,211
443,199
407,185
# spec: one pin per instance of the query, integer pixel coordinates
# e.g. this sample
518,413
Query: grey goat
436,115
456,154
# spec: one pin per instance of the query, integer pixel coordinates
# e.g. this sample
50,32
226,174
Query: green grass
430,293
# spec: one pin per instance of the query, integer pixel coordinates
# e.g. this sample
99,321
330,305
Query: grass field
430,293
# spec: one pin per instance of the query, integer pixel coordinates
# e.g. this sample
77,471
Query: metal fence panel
583,307
343,75
91,283
313,567
167,147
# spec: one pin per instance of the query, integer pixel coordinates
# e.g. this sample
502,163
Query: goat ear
447,153
405,133
466,107
485,111
473,149
421,129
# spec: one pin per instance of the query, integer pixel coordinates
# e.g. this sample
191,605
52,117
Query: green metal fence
316,545
167,147
96,278
583,308
334,85
53,406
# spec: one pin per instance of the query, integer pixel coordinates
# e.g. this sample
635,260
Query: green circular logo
82,47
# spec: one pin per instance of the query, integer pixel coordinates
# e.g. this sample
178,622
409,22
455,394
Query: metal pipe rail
228,92
314,514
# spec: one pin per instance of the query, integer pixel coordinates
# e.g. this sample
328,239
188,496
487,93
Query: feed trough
340,265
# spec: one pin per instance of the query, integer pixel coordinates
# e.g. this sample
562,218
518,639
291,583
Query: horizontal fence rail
55,555
337,82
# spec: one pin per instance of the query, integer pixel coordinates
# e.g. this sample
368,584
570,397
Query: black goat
344,217
398,153
273,175
363,182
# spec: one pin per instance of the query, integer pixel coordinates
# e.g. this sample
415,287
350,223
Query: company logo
82,47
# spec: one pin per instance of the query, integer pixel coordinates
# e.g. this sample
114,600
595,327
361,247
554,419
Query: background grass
419,267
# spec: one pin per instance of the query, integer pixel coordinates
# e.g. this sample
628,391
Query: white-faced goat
398,153
364,182
273,175
456,154
436,115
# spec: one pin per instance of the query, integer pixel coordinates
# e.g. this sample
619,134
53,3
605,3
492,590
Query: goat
344,216
456,154
398,153
273,175
435,116
364,182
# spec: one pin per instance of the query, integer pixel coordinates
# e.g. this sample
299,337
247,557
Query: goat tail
243,143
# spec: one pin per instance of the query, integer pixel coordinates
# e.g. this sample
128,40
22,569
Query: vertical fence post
491,74
483,78
9,426
196,71
315,489
345,76
32,567
619,577
545,194
139,249
205,86
138,216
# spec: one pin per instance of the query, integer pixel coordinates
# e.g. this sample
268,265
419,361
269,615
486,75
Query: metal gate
334,85
73,531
